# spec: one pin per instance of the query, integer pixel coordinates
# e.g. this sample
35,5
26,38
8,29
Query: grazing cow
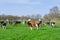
14,22
49,23
46,23
17,22
53,24
3,24
33,23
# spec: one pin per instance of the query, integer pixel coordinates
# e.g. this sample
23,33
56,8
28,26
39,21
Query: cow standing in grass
53,24
17,22
49,23
14,22
33,23
3,24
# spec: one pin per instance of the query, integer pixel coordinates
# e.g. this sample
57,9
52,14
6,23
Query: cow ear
29,19
39,19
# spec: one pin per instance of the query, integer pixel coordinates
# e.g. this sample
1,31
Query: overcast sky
27,7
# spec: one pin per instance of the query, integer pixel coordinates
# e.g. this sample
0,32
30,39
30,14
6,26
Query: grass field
22,32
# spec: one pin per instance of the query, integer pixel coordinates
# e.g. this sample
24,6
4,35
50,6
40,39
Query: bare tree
36,17
54,13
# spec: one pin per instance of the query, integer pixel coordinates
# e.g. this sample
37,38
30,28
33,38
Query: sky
27,7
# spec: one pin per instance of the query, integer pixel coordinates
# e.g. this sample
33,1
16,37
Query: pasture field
22,32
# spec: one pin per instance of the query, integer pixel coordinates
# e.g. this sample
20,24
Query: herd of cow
29,22
4,23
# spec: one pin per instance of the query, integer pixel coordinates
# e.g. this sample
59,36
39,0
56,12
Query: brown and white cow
33,23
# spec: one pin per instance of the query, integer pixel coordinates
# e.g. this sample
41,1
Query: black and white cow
3,24
53,24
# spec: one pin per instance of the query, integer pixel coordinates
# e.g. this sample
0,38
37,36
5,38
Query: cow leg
31,28
36,26
4,27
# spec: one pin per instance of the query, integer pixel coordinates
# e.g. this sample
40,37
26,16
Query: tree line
53,13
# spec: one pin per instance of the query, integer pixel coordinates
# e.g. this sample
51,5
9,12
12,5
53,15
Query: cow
53,24
14,22
17,22
50,23
33,23
3,24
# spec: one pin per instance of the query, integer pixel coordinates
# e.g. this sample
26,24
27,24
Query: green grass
22,32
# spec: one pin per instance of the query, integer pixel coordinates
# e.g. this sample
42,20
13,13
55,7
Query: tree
36,17
54,9
54,13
